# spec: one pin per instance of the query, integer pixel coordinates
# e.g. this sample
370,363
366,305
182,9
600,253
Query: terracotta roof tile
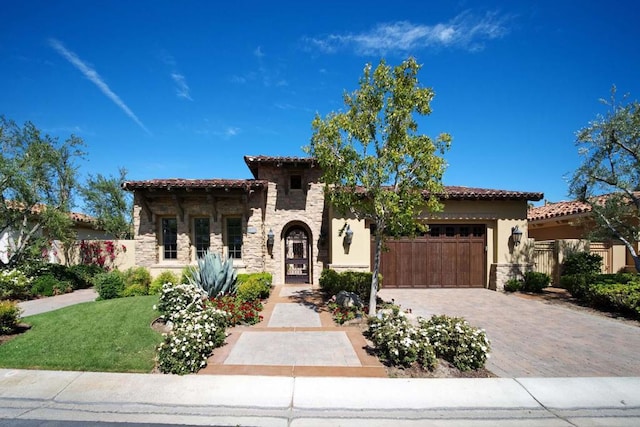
566,208
554,210
470,193
180,183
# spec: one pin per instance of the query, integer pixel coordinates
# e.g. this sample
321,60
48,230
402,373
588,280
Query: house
84,227
278,221
561,226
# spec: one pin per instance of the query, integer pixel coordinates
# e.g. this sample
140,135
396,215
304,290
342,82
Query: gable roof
191,184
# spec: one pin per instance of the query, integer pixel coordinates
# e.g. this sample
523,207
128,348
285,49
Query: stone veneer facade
275,207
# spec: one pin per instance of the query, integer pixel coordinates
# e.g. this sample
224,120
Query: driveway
530,338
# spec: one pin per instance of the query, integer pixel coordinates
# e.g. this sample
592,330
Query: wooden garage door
448,256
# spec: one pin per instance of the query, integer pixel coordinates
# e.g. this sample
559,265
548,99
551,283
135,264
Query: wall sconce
516,235
270,238
348,235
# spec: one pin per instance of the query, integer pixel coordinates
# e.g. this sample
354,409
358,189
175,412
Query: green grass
110,336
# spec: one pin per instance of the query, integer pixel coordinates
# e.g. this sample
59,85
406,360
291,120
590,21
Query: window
170,238
201,235
295,182
234,237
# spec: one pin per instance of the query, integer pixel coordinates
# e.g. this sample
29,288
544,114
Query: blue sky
187,88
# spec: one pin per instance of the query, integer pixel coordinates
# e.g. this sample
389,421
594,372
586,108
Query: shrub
197,329
577,284
343,314
454,340
581,263
194,336
513,285
138,276
48,285
622,298
109,285
135,290
398,343
535,282
239,311
9,316
165,277
14,285
253,286
178,297
85,275
358,282
78,276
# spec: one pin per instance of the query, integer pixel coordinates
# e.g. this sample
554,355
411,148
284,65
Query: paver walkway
532,339
295,338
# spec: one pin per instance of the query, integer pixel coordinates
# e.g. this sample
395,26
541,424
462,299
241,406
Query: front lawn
108,336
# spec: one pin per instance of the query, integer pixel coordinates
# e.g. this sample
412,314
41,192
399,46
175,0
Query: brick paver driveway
530,338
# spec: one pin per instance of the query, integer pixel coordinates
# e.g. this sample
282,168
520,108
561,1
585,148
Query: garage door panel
463,256
449,256
449,264
433,276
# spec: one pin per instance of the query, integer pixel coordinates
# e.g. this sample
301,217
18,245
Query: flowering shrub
454,340
343,314
240,312
176,298
100,252
398,342
14,284
197,329
194,336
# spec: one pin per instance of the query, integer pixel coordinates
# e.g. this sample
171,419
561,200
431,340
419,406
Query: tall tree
37,180
105,199
375,164
609,177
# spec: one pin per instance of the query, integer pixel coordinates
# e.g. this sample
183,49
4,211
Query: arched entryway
297,252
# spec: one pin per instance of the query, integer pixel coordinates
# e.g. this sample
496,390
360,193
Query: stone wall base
501,273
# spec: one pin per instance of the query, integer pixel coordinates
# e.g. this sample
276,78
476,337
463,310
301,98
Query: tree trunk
374,277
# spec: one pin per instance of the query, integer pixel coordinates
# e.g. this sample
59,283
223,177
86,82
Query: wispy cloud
182,88
258,52
466,31
93,76
269,75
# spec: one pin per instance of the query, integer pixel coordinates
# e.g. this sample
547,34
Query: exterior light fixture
270,238
516,235
348,235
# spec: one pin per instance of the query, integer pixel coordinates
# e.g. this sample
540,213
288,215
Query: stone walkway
530,338
295,338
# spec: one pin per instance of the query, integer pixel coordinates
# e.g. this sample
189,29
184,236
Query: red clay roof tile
176,183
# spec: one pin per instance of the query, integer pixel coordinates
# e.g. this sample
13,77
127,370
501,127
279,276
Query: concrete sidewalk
312,401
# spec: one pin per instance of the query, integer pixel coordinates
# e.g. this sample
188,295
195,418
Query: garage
447,256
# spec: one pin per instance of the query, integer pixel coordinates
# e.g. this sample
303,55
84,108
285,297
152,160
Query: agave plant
214,276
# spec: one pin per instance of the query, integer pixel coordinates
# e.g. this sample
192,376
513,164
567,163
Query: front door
296,264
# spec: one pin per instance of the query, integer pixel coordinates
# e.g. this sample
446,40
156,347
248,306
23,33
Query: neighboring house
565,225
83,225
279,222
